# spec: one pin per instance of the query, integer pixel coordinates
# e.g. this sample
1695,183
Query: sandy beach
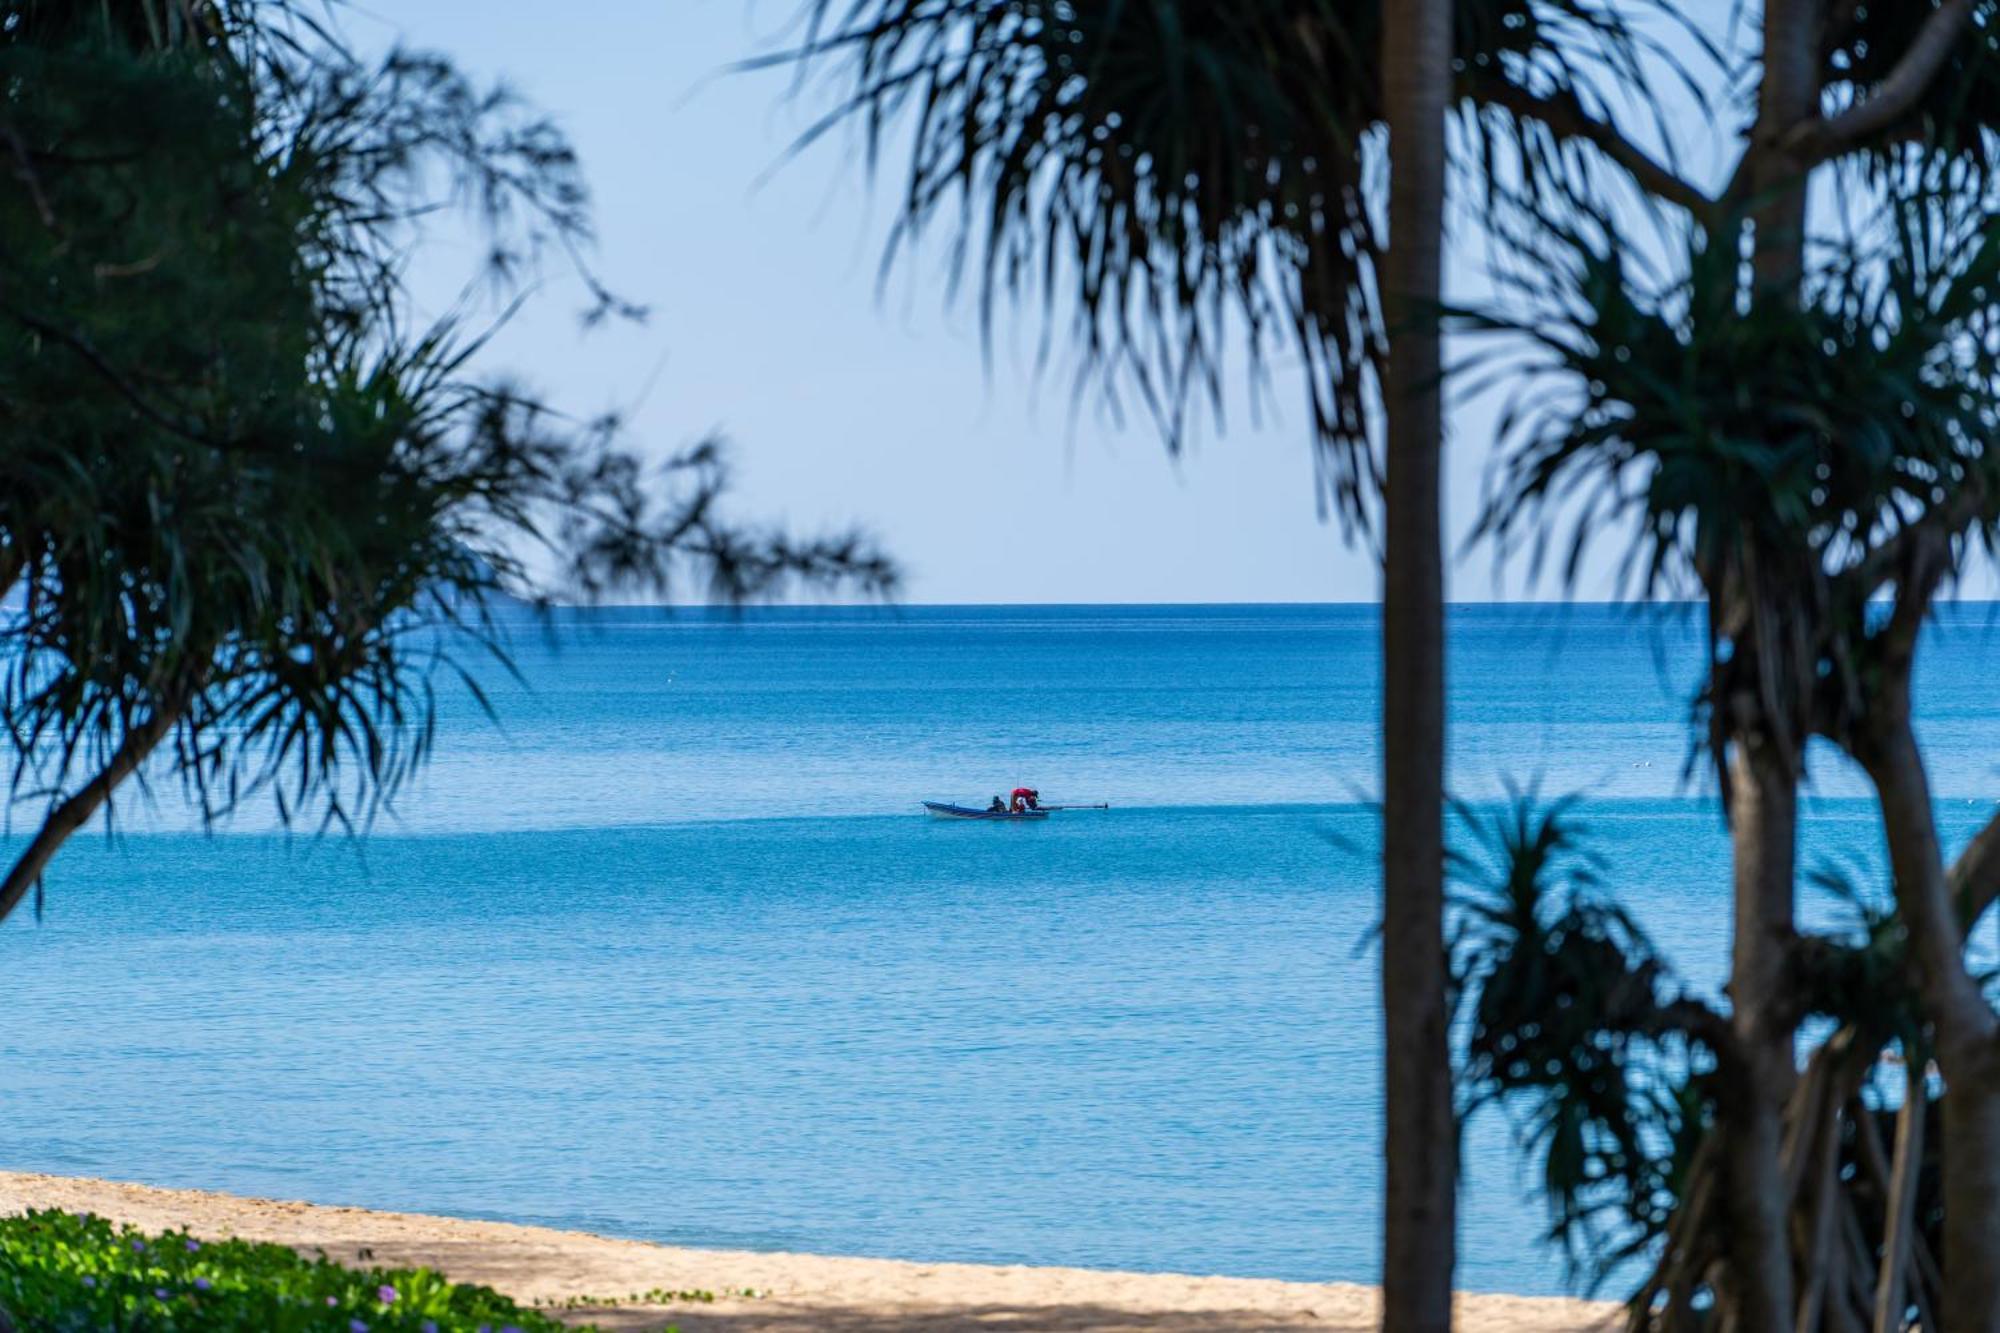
795,1292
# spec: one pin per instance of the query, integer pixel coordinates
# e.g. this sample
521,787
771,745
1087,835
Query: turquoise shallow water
673,955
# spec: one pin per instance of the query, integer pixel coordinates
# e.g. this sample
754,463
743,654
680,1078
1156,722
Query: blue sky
847,404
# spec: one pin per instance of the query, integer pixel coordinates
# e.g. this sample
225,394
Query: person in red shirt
1026,798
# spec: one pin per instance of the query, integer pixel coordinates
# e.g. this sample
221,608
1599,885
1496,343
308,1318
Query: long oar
1077,807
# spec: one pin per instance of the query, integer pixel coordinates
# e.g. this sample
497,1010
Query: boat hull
945,810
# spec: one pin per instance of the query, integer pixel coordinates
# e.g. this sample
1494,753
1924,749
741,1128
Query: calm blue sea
673,952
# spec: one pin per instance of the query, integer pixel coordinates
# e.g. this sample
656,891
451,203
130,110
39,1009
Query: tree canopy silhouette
249,512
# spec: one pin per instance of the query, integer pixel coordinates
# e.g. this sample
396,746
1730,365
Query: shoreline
795,1292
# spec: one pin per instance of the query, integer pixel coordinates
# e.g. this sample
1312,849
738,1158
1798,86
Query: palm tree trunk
1764,829
1793,72
1972,1201
1764,776
1967,1029
1419,1216
73,813
1900,1204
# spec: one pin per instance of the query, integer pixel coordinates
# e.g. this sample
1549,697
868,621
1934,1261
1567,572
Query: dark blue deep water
672,952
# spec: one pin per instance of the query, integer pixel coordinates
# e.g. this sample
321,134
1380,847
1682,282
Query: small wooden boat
945,810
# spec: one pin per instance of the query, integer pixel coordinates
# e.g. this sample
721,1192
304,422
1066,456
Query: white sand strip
798,1293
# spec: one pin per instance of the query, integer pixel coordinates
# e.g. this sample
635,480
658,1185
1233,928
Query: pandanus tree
1171,176
1818,507
1833,495
1614,1075
248,513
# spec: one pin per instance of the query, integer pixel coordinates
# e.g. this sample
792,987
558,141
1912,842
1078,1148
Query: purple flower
138,1247
386,1294
193,1245
356,1326
332,1301
428,1326
201,1284
159,1293
90,1282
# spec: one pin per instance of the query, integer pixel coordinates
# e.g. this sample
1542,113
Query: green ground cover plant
64,1271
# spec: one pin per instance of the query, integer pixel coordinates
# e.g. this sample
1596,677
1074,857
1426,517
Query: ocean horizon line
893,605
1587,805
